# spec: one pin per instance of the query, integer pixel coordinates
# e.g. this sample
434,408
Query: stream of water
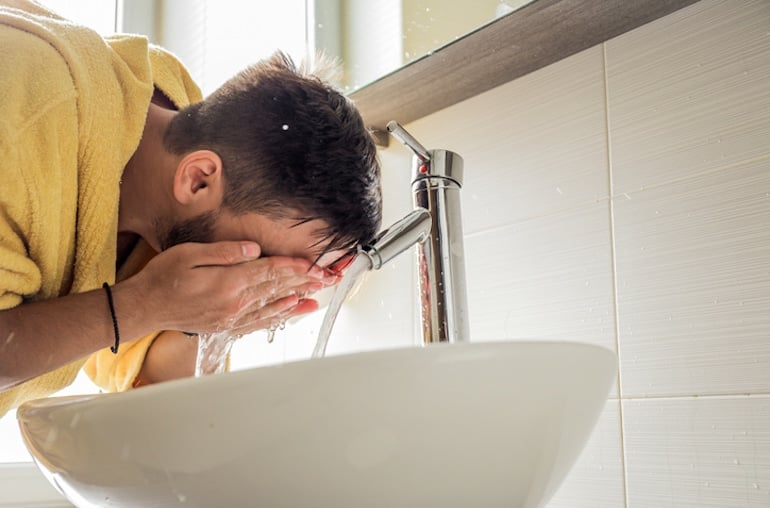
360,264
213,349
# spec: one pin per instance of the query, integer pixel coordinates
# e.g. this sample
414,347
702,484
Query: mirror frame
537,35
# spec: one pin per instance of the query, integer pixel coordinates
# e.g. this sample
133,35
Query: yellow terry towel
72,111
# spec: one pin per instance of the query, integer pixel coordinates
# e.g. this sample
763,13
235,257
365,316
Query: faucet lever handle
402,135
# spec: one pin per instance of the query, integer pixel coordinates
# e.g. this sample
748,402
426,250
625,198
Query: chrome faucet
436,227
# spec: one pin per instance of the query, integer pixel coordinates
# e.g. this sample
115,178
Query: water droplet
706,484
558,189
270,335
755,485
181,497
285,126
737,462
320,25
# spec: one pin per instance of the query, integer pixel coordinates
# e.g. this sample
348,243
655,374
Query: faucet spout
410,230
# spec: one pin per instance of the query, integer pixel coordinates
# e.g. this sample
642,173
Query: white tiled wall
619,197
622,197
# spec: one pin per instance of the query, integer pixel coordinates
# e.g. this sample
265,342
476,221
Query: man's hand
191,287
224,286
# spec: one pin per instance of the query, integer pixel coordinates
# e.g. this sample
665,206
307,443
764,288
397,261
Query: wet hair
292,146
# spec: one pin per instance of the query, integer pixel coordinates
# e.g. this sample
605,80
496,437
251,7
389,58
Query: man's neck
146,179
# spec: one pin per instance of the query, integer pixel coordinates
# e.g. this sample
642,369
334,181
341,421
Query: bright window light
96,14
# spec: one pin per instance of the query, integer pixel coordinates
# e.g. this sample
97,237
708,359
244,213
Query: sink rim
179,384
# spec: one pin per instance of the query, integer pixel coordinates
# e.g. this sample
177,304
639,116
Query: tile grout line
661,398
613,268
706,172
564,211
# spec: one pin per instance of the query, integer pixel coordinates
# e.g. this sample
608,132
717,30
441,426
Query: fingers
276,267
275,314
226,285
219,253
270,279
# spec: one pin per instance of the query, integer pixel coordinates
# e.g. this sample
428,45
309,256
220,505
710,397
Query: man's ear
198,179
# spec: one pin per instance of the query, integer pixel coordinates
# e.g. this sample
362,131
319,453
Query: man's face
276,237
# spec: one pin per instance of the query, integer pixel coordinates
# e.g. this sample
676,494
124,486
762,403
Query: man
109,157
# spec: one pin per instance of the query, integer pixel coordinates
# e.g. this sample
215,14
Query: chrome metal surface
402,135
414,228
436,183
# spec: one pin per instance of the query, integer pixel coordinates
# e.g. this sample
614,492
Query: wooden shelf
533,37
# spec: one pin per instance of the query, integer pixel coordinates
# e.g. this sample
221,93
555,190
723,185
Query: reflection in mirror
372,38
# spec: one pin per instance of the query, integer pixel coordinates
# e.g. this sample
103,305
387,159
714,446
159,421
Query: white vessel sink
480,424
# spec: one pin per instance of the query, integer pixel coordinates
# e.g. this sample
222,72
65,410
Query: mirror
373,38
535,34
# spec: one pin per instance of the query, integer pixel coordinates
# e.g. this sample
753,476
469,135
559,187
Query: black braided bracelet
114,348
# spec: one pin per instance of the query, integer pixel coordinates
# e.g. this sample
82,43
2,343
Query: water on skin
360,264
214,348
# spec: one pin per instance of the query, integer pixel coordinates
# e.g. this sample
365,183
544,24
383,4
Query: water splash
360,264
271,331
213,350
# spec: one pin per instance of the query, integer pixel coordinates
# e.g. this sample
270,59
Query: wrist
135,316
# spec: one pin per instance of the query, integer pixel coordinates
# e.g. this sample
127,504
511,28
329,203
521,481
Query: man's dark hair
289,143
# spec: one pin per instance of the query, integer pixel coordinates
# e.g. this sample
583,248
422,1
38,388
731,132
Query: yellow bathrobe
72,111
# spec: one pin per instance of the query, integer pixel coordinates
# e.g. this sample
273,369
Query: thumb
224,253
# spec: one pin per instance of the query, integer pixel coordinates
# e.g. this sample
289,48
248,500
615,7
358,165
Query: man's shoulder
34,77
